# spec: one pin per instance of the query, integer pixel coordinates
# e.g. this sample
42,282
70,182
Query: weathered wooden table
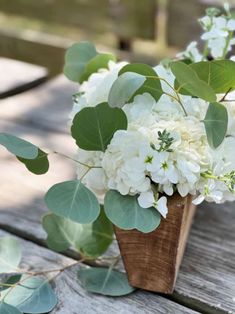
206,282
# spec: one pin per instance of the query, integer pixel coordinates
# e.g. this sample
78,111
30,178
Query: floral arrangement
143,133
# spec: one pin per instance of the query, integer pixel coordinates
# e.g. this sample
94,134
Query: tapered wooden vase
152,260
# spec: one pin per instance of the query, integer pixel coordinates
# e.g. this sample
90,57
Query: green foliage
91,240
93,127
82,59
219,74
100,61
39,165
72,200
11,281
124,88
126,213
188,80
34,295
105,281
34,159
216,124
18,147
8,309
10,255
152,85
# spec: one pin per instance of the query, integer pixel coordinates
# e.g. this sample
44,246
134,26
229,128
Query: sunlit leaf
189,80
152,85
105,281
72,200
10,254
124,88
18,146
33,295
126,213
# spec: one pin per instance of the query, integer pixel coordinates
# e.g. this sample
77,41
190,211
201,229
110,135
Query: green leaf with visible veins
216,124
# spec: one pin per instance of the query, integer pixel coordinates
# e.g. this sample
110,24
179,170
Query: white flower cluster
218,36
163,151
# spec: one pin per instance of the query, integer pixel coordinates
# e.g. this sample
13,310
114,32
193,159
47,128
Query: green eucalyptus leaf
34,295
76,59
216,124
124,88
152,85
8,309
18,146
188,80
91,239
39,165
105,281
100,61
94,127
10,254
125,212
72,200
11,281
219,74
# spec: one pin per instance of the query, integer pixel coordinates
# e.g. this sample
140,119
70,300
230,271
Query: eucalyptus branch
225,95
176,97
75,160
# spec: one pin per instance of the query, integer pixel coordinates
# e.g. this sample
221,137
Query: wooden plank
47,106
73,299
123,17
17,76
34,47
206,278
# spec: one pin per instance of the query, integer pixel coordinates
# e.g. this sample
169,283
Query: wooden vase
152,260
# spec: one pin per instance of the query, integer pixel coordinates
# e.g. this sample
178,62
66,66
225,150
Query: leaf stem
75,160
176,97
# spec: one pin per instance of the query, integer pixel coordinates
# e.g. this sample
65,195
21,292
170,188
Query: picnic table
206,281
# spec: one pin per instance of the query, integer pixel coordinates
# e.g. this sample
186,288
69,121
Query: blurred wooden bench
206,282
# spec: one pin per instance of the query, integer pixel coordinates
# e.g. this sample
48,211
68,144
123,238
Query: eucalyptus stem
38,273
176,97
75,160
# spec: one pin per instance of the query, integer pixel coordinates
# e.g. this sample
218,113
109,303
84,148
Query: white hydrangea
136,162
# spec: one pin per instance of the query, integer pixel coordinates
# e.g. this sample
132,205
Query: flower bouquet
153,143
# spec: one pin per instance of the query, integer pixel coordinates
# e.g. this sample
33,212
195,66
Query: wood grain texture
73,299
152,260
206,279
16,76
47,106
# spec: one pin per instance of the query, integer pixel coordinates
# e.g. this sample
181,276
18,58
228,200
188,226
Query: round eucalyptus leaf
124,88
105,281
18,146
189,80
152,85
216,124
125,212
10,255
100,61
90,239
76,59
33,296
94,127
8,309
39,165
72,200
